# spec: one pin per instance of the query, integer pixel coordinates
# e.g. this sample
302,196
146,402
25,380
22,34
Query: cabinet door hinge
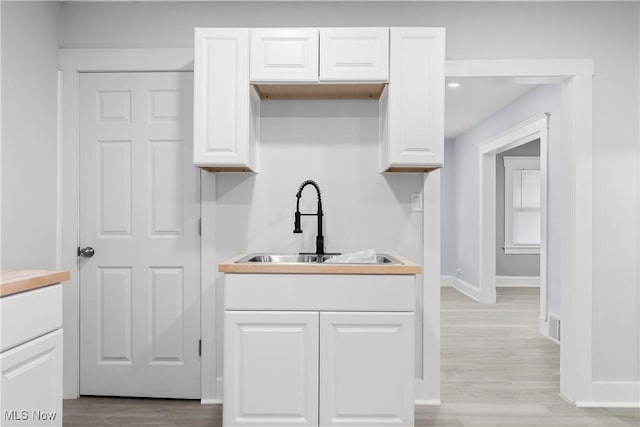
199,347
200,227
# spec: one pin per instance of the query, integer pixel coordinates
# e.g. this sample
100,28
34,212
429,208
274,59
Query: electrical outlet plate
416,202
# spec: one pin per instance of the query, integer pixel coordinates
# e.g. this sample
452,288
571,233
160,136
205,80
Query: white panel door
354,54
284,54
366,369
139,211
271,368
32,382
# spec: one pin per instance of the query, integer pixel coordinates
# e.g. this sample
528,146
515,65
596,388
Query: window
521,205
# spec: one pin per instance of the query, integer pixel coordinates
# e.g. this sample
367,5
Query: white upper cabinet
284,55
403,67
327,55
354,54
412,107
226,113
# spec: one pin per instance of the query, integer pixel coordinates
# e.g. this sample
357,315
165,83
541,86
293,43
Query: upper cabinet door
284,54
225,113
412,109
354,54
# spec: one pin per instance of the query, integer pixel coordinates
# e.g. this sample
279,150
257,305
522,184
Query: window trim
511,164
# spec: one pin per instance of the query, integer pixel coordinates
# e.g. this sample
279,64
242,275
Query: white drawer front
30,314
319,292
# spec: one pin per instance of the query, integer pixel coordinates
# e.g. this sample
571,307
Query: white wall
605,31
544,99
30,33
520,264
334,143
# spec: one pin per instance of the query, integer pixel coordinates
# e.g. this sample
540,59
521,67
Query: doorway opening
511,155
527,132
574,78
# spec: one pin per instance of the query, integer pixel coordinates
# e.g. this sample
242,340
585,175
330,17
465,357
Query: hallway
497,370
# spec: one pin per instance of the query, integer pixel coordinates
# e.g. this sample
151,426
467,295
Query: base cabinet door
271,368
366,369
32,382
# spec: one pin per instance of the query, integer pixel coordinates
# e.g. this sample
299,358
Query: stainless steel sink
278,259
265,258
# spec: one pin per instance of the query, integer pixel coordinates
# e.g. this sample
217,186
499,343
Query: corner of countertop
17,281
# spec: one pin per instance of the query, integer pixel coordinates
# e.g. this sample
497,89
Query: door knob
86,252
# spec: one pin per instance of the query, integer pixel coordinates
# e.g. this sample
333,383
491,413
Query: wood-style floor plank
497,371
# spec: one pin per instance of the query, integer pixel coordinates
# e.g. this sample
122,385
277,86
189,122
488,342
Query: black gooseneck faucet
319,214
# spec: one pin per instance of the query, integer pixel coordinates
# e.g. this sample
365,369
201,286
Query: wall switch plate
416,202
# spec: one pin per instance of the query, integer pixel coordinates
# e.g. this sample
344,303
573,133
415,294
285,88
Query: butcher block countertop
230,266
15,281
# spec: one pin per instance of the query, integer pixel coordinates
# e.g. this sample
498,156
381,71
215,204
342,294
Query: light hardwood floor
496,371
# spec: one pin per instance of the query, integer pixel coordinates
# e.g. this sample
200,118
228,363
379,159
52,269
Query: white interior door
139,211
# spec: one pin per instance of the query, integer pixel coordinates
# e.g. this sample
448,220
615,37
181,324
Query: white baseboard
463,287
220,388
630,405
427,403
547,325
610,394
446,280
219,394
210,401
518,281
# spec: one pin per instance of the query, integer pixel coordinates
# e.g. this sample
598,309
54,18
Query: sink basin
279,259
265,258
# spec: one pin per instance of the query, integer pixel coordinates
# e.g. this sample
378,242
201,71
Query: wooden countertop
230,266
15,281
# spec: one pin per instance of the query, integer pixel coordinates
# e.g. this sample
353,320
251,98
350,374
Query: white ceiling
477,99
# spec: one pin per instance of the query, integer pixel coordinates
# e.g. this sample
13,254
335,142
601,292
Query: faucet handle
296,224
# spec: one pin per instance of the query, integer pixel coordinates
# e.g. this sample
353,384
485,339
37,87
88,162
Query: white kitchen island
319,344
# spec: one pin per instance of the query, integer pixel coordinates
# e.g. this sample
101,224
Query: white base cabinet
32,382
320,366
31,358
